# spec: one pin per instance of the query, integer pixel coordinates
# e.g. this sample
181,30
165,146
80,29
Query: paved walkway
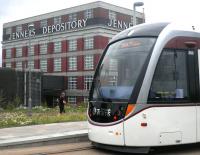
34,133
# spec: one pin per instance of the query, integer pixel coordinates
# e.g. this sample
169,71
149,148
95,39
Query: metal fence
12,85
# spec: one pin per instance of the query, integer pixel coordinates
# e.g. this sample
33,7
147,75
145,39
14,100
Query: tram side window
170,78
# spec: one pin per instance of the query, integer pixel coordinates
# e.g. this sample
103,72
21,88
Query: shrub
16,101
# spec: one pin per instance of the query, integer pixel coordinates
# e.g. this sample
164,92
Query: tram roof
152,29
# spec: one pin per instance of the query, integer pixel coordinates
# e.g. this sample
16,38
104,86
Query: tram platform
37,135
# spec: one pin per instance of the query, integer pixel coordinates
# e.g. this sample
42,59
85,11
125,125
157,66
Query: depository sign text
51,29
70,25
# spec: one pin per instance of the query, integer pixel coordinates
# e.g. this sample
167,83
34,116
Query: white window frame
19,65
88,82
43,23
86,99
73,45
57,46
43,48
88,13
88,62
72,99
89,43
72,63
8,65
112,15
72,82
8,30
43,65
32,51
18,28
57,20
8,53
18,52
57,64
72,17
31,64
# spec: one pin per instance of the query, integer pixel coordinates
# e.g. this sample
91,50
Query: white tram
145,91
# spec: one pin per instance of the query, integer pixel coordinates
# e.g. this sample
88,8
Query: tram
145,91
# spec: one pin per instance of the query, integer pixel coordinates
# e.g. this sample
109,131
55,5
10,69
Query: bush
10,106
3,102
17,102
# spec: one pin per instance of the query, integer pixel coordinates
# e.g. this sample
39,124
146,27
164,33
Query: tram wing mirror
190,44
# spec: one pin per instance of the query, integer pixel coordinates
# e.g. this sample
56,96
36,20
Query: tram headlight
129,109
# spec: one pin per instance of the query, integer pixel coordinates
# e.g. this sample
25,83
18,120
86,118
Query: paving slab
41,134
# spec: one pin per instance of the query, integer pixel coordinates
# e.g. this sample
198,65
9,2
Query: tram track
65,151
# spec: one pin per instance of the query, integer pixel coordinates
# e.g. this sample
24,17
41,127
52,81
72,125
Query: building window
89,43
88,62
8,30
72,99
57,47
112,15
72,17
132,20
72,63
57,20
86,99
43,48
43,23
139,20
31,52
72,45
72,82
88,13
18,28
87,82
43,65
31,64
19,65
57,64
19,52
31,24
8,53
8,65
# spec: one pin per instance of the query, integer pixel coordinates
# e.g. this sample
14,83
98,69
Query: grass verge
41,115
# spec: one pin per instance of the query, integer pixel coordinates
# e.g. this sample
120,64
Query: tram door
198,104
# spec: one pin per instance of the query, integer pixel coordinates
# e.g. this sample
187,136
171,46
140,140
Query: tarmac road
85,148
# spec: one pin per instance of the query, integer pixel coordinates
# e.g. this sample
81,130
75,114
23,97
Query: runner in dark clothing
62,102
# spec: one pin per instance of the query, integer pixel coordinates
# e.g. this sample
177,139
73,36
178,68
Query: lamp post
30,28
136,4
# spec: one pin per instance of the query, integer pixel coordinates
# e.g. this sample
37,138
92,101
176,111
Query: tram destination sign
67,26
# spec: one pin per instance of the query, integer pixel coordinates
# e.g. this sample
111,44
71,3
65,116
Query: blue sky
155,10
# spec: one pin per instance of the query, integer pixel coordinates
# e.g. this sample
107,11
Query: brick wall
64,46
100,42
101,12
37,64
50,47
80,63
3,53
50,65
37,50
64,64
13,52
25,51
80,44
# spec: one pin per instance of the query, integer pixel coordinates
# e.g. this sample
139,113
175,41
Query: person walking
62,102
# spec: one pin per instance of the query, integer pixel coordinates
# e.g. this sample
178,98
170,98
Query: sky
155,10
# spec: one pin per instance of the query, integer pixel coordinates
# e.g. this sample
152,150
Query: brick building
66,43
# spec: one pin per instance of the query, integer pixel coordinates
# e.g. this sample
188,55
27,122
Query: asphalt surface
85,148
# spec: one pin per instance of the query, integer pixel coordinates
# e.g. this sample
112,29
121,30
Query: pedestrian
61,102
